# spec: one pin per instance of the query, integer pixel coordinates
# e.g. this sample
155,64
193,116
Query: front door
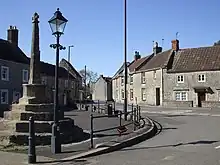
157,96
201,97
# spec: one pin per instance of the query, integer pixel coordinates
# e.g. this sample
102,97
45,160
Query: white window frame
154,74
122,81
122,94
6,99
131,94
116,94
24,79
181,96
131,79
143,94
73,84
7,73
143,78
180,79
201,78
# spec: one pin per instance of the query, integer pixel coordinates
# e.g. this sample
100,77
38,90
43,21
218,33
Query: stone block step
25,115
7,137
33,107
40,126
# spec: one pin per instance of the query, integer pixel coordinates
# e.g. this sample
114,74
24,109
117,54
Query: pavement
190,137
82,119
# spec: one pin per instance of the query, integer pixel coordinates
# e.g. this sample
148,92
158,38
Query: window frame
122,94
180,79
154,74
131,78
23,78
143,94
143,78
66,83
122,82
1,92
44,80
181,96
131,94
7,73
200,78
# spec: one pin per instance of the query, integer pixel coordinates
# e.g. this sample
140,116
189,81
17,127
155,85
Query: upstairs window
43,80
25,75
201,78
154,74
122,80
122,94
131,94
180,79
143,80
5,73
66,83
131,79
4,96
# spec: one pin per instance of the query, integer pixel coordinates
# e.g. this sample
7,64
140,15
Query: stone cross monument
34,91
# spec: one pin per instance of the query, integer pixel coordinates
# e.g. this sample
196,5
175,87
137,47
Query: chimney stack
156,48
175,45
137,56
13,35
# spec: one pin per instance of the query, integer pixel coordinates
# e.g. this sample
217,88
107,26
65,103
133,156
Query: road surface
185,139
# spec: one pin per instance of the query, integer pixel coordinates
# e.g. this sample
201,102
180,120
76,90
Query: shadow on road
62,161
173,145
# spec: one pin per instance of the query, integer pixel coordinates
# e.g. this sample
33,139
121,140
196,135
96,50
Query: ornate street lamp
57,24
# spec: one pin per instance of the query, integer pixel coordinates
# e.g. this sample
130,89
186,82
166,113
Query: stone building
175,77
14,69
103,89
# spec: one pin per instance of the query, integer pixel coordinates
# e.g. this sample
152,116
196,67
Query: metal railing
135,117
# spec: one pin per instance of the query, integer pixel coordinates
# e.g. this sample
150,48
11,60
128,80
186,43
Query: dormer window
180,79
201,78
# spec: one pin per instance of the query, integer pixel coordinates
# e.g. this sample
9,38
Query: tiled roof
49,70
62,64
196,59
136,63
157,61
11,52
120,70
107,79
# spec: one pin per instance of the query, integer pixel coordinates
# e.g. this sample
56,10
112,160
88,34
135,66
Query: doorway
201,97
157,96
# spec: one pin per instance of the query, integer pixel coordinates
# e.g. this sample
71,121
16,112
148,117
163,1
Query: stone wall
191,81
174,103
209,104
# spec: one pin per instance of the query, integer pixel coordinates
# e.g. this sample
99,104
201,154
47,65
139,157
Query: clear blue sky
95,27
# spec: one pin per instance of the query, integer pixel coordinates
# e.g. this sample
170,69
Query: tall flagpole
125,59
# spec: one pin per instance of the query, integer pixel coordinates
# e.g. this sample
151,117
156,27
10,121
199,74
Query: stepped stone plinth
14,127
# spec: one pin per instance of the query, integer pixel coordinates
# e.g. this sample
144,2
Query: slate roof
107,79
196,59
71,66
136,63
11,52
120,70
159,60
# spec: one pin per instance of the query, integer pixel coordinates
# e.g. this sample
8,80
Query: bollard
120,115
91,131
31,139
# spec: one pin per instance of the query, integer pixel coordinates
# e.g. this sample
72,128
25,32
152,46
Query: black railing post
134,126
132,112
91,131
120,115
98,107
139,113
31,139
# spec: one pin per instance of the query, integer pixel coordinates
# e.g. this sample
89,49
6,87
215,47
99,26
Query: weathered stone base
16,132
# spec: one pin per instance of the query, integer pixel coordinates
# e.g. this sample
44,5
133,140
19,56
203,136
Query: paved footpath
82,119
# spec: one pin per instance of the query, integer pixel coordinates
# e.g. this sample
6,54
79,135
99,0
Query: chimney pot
137,55
156,48
13,35
175,45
